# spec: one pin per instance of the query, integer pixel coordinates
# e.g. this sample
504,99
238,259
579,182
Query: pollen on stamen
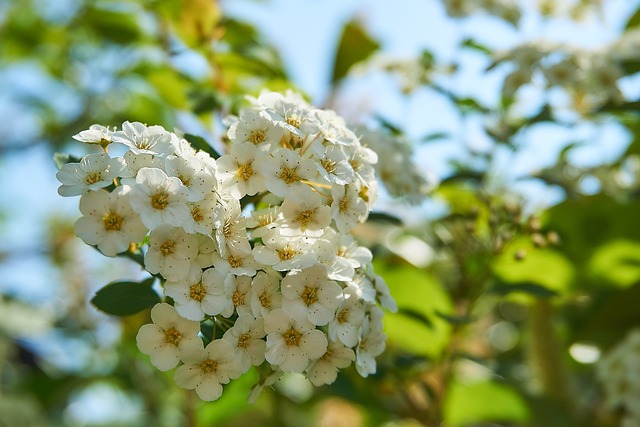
209,366
243,340
160,200
172,336
237,298
305,217
286,253
256,137
245,172
309,295
112,221
167,248
93,177
265,300
289,175
292,337
343,205
197,292
197,214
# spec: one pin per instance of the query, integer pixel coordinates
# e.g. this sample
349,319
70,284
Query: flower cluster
395,167
619,373
254,245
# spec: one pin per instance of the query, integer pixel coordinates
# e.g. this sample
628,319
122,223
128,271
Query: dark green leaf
435,136
533,289
199,143
384,217
395,130
416,315
355,46
634,20
472,44
62,159
454,320
126,298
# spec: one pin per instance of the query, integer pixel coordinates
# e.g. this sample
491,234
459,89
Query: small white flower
371,343
231,230
347,208
325,369
206,250
284,171
284,253
237,263
216,281
203,215
206,369
313,292
304,212
349,317
95,171
292,340
257,128
167,336
194,176
96,134
246,338
334,166
265,293
236,170
109,222
159,199
135,162
171,252
263,220
238,290
146,140
193,295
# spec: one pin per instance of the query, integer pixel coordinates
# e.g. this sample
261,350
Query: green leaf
533,289
453,319
199,143
416,328
483,402
355,46
634,20
62,159
115,26
472,44
435,136
126,298
617,262
384,217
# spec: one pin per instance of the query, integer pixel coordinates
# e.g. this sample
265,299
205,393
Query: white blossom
93,172
172,252
325,369
246,338
311,290
141,139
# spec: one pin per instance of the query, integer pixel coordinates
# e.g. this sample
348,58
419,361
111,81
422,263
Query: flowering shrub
253,249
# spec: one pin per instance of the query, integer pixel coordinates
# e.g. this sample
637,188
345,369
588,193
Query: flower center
168,247
209,366
186,181
294,120
292,337
235,261
237,298
172,336
343,316
197,292
227,228
328,165
144,144
343,205
286,253
197,214
265,299
309,295
256,137
289,175
342,251
356,165
243,340
92,178
245,171
305,217
160,200
112,221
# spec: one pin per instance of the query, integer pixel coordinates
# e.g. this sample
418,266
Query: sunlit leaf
355,46
199,143
481,402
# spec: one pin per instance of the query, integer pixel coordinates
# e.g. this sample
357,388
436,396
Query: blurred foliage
485,325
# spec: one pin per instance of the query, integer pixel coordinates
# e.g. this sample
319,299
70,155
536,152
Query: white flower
238,290
194,176
371,343
347,208
206,369
325,369
146,140
96,134
193,295
284,171
159,199
206,250
167,336
257,128
284,253
216,281
349,317
95,171
305,213
246,338
265,293
311,291
135,162
236,170
263,220
171,252
231,231
292,340
237,263
109,222
341,254
334,166
203,215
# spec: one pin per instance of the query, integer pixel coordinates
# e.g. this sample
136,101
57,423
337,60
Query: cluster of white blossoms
591,75
254,245
395,166
619,374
